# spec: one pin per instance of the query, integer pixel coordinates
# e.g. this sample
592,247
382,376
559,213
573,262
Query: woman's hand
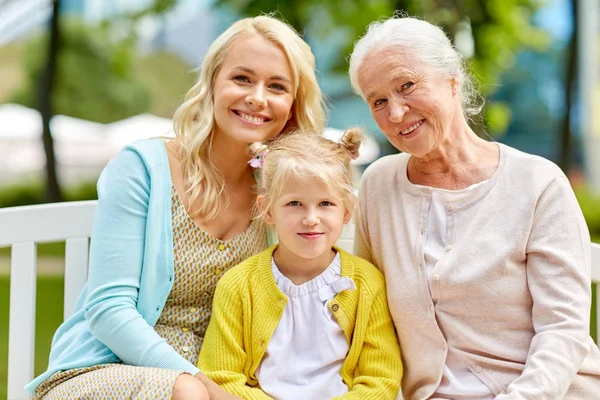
215,391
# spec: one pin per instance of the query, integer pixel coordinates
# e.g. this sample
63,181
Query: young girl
304,319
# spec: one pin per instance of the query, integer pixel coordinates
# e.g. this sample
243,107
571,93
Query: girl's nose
310,219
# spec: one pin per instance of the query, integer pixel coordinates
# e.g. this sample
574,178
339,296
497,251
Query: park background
79,79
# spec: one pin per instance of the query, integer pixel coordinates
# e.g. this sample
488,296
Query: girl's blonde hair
306,157
194,119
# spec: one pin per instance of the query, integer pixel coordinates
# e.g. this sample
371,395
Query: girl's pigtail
257,151
351,141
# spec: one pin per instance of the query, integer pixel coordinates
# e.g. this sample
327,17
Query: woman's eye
408,85
278,87
241,78
378,102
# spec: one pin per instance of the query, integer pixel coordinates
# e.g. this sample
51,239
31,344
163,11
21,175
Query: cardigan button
478,369
335,307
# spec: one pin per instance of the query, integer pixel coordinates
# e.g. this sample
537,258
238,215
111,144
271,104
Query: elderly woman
484,248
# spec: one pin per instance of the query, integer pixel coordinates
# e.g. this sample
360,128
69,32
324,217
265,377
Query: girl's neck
301,270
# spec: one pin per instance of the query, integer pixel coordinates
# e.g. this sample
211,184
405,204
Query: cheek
381,119
282,105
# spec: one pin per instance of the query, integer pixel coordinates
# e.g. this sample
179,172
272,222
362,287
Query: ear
455,85
262,203
347,215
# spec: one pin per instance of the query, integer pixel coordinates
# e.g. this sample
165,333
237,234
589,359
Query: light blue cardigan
131,270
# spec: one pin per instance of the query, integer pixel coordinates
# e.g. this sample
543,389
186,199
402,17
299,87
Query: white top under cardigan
514,290
304,357
458,382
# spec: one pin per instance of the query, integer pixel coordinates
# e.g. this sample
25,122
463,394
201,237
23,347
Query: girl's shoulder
365,274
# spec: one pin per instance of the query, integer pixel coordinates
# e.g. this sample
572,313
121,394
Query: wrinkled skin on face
414,105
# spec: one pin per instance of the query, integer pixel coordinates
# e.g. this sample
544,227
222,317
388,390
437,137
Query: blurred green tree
95,78
85,72
488,32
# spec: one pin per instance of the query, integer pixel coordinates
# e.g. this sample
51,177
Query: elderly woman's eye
408,85
378,102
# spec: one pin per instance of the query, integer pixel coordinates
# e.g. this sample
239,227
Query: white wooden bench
22,228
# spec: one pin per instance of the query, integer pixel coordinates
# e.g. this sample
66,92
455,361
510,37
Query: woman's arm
379,363
558,275
223,357
116,257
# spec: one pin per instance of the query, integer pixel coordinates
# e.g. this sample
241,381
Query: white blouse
304,357
458,382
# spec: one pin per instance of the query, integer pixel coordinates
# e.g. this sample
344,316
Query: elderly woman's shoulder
530,165
386,167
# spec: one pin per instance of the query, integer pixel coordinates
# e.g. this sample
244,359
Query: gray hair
430,45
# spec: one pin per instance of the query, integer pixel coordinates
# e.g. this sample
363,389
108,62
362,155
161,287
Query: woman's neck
461,160
231,160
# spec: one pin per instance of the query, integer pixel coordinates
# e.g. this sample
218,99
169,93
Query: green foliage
499,29
33,191
95,76
590,205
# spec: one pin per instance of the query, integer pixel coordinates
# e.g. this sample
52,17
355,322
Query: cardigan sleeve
558,276
379,364
116,256
223,357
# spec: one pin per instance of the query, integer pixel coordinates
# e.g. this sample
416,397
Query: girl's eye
378,102
241,78
294,203
325,203
408,85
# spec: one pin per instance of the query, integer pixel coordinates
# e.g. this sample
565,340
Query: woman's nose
398,110
256,97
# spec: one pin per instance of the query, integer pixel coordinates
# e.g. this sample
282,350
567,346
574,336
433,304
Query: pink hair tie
258,160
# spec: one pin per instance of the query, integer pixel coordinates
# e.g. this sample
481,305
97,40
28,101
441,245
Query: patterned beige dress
200,259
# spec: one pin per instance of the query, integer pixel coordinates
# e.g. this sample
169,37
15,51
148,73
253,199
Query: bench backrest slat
76,256
596,280
21,322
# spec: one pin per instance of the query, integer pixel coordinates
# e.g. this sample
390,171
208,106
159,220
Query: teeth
251,118
412,128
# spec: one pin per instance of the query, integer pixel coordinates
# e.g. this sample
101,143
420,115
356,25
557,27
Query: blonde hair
306,157
194,119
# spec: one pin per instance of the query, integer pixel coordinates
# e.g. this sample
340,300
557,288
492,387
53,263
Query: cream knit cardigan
513,288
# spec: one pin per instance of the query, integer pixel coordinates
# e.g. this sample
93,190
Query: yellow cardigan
248,306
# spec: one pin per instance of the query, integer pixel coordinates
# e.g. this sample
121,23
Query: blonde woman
173,216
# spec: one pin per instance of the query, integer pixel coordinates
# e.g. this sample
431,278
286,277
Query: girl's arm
116,256
379,363
558,276
223,357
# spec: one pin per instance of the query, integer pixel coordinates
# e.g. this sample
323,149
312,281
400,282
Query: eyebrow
275,77
396,77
